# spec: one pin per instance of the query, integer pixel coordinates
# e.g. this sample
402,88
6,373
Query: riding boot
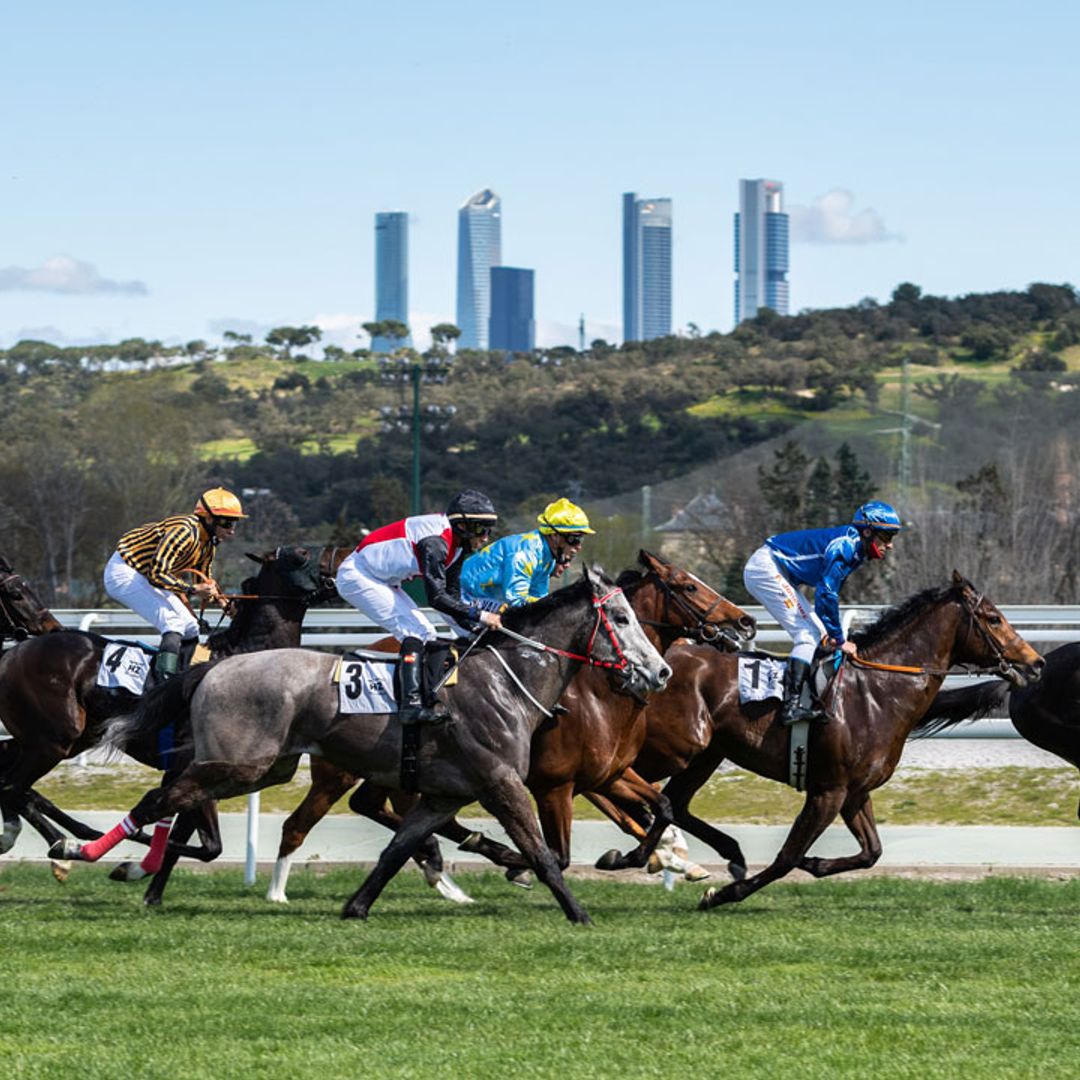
796,676
167,661
187,652
411,707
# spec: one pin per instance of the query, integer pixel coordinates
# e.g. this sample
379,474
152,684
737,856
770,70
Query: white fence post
252,845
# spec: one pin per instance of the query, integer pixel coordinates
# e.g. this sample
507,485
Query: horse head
21,611
290,573
990,640
618,642
685,602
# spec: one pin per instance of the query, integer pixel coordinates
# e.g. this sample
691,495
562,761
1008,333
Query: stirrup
424,714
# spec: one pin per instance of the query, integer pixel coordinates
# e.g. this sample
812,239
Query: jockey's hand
204,591
848,648
491,619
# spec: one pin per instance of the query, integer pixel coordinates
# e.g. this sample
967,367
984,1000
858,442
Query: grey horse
252,717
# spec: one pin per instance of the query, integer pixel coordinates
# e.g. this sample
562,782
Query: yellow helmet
562,516
219,503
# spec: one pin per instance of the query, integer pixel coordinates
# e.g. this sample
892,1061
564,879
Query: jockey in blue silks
822,559
518,569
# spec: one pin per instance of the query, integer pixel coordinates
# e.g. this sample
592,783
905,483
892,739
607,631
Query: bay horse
54,710
252,717
1047,713
874,704
586,749
22,613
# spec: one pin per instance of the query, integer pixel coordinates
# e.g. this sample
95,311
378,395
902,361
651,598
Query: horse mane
898,616
518,618
952,707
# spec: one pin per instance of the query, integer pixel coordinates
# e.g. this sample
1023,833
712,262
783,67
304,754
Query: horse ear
260,559
958,579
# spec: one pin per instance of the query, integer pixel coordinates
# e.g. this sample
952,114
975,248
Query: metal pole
252,838
415,373
646,514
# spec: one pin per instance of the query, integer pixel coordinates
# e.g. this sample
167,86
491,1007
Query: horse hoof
693,872
654,865
521,878
151,900
706,900
610,860
276,897
450,890
736,870
66,849
354,911
127,871
61,870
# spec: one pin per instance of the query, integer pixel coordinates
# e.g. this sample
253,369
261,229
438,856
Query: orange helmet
219,503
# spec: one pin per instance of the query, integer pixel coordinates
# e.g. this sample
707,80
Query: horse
21,611
1046,714
586,749
53,708
874,703
252,717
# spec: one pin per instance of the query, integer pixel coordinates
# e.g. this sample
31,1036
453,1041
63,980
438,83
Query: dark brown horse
21,611
1046,714
588,748
52,706
698,722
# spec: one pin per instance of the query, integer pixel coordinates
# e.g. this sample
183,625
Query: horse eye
691,588
621,619
993,620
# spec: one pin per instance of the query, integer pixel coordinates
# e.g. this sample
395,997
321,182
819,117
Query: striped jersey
388,554
162,549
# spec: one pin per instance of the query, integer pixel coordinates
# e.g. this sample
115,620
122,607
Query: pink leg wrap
154,857
93,851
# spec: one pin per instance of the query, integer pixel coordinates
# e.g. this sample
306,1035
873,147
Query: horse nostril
748,625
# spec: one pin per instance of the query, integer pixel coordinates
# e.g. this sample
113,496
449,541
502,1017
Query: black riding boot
796,676
411,707
187,651
167,661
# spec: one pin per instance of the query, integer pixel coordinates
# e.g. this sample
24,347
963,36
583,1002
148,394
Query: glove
484,604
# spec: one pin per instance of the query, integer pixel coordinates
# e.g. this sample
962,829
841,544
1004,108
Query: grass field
1003,796
845,978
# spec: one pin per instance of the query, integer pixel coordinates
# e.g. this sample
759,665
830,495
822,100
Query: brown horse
21,611
53,708
874,704
1046,714
587,748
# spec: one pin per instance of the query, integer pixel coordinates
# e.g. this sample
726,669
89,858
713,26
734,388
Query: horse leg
680,789
555,808
818,811
416,826
328,784
858,815
205,819
508,799
77,828
630,788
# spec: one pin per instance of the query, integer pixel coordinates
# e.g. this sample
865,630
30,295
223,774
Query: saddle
439,669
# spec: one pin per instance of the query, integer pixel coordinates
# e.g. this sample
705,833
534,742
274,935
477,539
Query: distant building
391,275
761,249
512,325
646,268
479,249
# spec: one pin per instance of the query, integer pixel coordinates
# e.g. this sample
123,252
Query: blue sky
171,171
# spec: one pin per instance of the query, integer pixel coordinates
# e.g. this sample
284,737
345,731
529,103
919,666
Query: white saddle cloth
760,678
365,686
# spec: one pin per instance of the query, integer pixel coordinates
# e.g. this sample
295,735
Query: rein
701,623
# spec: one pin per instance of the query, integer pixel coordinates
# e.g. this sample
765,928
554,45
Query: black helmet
471,505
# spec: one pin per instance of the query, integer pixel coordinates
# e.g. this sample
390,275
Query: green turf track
846,978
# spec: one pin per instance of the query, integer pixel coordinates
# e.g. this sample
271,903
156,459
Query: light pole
401,369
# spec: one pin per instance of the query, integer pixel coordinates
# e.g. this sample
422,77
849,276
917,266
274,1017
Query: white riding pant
164,609
765,582
390,606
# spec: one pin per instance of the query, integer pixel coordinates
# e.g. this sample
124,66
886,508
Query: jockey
143,573
429,546
518,569
823,559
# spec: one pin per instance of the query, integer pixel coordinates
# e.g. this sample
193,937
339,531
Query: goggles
572,539
474,528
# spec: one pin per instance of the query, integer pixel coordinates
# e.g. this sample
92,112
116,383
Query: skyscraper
761,249
479,249
391,275
512,326
646,268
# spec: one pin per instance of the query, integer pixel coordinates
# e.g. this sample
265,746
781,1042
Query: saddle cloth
366,686
124,666
760,678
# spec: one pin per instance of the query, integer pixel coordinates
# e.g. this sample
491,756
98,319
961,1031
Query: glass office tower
479,249
512,326
646,268
391,275
761,249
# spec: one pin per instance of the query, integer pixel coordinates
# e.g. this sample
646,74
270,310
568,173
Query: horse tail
167,704
952,707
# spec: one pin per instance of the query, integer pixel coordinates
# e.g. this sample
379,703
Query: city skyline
391,275
479,249
761,249
646,269
242,200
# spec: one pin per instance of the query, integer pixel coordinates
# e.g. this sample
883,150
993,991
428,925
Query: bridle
702,628
11,620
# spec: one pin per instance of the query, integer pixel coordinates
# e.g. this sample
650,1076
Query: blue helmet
877,515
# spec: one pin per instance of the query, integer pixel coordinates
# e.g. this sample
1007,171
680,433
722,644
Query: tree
783,486
444,334
288,338
906,293
820,506
853,483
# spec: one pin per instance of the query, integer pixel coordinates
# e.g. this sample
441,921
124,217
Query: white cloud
63,274
831,220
